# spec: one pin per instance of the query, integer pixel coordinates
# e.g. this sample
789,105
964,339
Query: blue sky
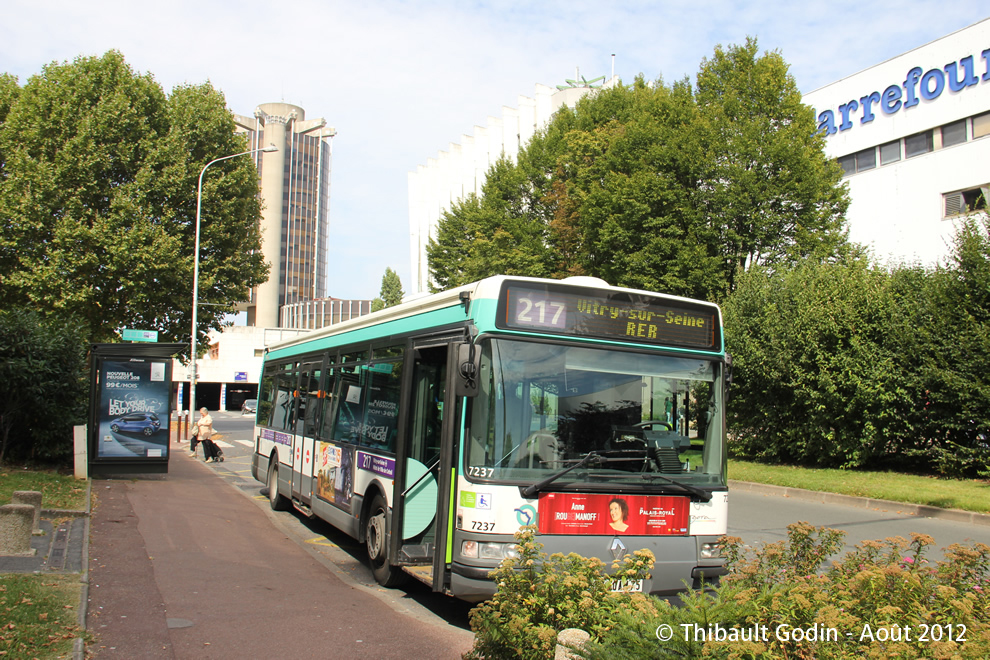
401,80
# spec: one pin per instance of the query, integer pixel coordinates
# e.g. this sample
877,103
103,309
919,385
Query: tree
98,200
768,189
42,385
391,293
657,186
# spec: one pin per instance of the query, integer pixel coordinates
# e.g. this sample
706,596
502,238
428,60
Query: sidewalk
182,565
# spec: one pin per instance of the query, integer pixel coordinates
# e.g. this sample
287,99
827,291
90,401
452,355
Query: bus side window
283,401
381,416
266,394
350,406
307,404
328,405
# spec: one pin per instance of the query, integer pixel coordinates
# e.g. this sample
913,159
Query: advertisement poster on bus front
133,414
597,513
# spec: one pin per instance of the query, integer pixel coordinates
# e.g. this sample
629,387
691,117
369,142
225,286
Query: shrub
540,595
42,386
876,602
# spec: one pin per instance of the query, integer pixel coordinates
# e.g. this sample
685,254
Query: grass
39,615
58,491
968,495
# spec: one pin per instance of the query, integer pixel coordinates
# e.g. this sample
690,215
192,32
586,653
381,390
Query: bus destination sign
605,314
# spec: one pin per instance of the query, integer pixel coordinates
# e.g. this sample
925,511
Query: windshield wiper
703,495
533,489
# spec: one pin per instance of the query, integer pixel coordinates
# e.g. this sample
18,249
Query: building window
848,164
981,125
866,159
965,201
215,351
890,152
954,133
917,144
859,161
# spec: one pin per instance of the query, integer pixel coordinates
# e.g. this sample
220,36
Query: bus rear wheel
376,540
275,499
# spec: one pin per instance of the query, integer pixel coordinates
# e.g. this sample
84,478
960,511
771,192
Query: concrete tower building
295,188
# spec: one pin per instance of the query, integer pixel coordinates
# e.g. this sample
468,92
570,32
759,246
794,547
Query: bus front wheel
275,499
376,540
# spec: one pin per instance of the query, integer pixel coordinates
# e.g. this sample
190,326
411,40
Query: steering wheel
654,422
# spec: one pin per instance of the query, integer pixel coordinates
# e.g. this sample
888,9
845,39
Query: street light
195,300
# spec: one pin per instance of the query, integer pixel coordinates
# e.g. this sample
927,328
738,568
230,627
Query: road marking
245,443
322,540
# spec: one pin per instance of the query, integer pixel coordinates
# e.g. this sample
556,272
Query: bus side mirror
468,370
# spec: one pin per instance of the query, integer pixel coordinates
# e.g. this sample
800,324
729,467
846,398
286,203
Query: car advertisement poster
597,513
133,415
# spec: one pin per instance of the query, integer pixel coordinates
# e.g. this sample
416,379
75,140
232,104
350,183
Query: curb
919,510
79,644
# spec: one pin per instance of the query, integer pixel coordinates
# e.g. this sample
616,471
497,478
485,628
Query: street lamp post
195,300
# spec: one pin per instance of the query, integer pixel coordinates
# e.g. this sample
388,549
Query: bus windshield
543,408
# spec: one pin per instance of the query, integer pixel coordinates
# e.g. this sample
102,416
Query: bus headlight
480,550
710,551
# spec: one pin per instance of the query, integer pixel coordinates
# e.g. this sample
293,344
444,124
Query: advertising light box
130,407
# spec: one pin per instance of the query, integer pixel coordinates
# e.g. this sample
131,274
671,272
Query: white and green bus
433,430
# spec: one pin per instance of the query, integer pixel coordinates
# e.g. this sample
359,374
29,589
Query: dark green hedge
847,364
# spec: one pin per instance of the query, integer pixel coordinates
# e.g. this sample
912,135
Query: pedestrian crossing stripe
227,445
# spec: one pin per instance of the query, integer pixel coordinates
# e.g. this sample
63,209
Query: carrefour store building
913,137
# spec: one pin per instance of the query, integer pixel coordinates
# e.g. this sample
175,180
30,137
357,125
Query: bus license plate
630,586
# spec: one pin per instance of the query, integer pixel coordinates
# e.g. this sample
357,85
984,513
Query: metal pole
195,299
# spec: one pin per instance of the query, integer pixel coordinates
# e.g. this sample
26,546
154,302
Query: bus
432,431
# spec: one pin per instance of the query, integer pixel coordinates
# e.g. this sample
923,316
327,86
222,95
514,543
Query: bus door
308,399
421,504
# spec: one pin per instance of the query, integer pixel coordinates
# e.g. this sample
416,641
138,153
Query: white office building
461,170
913,137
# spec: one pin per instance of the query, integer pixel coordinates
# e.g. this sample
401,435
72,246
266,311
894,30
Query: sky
400,81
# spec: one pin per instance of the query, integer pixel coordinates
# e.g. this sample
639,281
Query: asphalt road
762,518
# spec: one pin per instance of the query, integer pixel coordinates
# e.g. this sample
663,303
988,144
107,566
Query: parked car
137,422
250,406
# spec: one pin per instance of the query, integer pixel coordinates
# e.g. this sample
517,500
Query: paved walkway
182,565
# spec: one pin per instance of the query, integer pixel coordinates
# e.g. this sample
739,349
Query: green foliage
816,380
391,293
859,607
540,595
98,200
845,364
43,387
658,187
